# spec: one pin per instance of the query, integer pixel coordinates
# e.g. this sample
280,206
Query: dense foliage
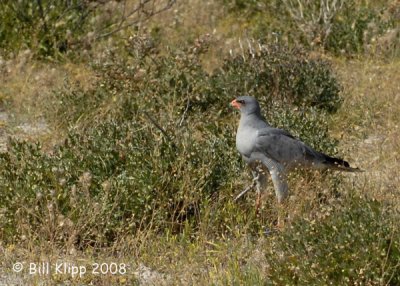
341,27
357,241
157,144
141,157
43,26
56,30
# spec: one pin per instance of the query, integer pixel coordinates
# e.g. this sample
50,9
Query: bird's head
246,104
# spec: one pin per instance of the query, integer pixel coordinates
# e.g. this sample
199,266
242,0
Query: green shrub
347,27
238,6
50,29
114,179
275,73
357,27
152,145
42,26
356,243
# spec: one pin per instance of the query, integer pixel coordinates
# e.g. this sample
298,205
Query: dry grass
368,128
25,90
369,124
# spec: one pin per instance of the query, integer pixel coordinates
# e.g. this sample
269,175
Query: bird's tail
339,164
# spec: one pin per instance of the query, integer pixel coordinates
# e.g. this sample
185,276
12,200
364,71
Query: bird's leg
281,190
258,195
260,179
281,216
242,193
253,184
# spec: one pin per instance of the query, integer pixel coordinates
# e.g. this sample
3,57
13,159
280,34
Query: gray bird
276,149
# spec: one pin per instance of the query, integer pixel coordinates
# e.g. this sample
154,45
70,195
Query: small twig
138,9
42,16
241,48
242,193
251,51
123,16
184,113
158,126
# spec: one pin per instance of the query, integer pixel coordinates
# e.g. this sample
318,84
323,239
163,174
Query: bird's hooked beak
235,104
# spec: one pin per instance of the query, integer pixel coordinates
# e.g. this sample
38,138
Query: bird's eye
241,101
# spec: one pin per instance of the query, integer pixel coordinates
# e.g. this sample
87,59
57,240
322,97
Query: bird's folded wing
280,146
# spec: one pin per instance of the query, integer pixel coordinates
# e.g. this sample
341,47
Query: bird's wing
282,147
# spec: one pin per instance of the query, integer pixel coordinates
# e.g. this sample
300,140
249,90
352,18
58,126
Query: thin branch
124,18
184,113
139,7
42,16
242,193
301,9
314,16
157,125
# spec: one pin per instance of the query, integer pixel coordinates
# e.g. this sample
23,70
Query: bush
275,73
116,178
357,243
51,29
41,26
156,148
340,27
357,27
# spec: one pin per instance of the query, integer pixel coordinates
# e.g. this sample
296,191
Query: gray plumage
275,148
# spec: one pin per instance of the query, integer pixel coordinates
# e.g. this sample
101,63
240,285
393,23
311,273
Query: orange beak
235,104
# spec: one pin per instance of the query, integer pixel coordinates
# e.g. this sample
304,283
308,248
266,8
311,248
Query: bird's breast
245,140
